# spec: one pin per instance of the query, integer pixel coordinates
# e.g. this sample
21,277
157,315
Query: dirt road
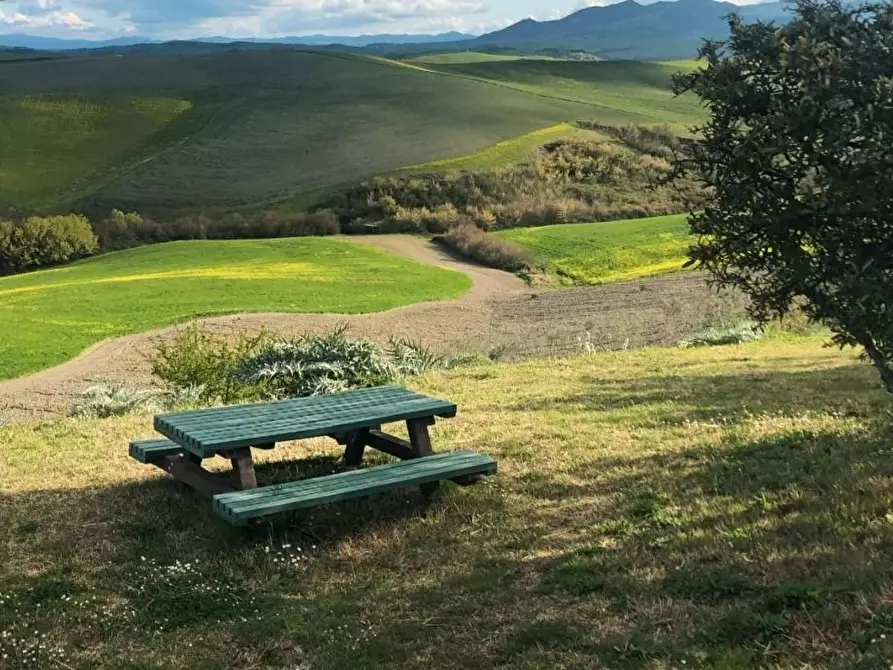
499,311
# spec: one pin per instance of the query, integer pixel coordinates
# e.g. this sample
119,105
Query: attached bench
242,506
152,451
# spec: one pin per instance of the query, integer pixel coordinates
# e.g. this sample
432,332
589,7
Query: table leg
243,476
356,448
421,447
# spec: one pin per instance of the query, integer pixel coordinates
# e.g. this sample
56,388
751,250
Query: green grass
48,317
618,92
269,126
278,127
52,147
452,58
729,508
596,253
507,153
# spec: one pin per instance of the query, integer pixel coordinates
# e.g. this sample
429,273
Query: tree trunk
880,362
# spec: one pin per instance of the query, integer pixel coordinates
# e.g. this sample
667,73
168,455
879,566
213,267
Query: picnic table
354,419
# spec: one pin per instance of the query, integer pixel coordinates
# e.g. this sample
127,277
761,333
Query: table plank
207,432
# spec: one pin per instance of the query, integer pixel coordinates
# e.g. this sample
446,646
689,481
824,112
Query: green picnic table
354,419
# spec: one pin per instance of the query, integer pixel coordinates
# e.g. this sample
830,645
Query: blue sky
262,18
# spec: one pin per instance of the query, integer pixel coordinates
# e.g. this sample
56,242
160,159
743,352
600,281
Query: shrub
316,365
122,230
413,358
207,364
107,400
471,241
566,181
736,333
39,242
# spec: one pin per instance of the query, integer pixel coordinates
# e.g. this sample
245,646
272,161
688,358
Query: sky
178,19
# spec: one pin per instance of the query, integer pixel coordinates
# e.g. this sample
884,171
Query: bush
107,400
737,333
316,365
200,369
39,242
471,241
122,230
566,181
207,364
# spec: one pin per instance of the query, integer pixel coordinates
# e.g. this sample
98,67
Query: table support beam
186,470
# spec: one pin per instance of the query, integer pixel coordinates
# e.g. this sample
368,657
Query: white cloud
43,14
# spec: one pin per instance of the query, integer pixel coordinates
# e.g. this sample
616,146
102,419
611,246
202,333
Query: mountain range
61,44
627,30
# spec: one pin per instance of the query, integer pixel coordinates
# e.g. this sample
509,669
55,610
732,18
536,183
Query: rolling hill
256,128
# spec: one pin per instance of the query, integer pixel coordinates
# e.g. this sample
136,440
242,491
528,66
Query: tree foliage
39,242
797,159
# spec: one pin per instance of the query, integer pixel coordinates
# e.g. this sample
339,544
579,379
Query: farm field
619,92
720,508
595,253
51,316
51,146
272,127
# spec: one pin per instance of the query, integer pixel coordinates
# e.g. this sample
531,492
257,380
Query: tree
797,160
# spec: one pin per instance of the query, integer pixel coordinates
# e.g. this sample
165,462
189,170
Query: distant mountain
57,44
630,30
53,44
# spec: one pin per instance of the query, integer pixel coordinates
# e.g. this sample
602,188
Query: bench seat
242,506
150,451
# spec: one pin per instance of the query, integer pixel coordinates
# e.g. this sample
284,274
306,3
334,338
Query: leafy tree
797,157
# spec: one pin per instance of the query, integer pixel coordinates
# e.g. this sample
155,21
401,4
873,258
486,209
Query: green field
619,92
596,253
50,316
52,146
452,58
268,127
720,509
509,152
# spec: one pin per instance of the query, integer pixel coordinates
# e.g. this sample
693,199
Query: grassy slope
620,92
271,126
472,57
728,508
506,153
595,253
278,124
48,317
50,147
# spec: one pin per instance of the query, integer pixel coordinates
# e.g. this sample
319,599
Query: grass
507,153
53,147
597,253
48,317
283,127
726,508
268,126
456,57
618,92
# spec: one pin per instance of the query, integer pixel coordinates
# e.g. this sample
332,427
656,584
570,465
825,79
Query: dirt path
453,325
499,312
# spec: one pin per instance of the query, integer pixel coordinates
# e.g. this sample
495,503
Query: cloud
42,14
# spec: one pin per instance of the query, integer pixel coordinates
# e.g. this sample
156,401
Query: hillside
268,126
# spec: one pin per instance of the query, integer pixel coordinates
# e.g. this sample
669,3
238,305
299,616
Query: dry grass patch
728,507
